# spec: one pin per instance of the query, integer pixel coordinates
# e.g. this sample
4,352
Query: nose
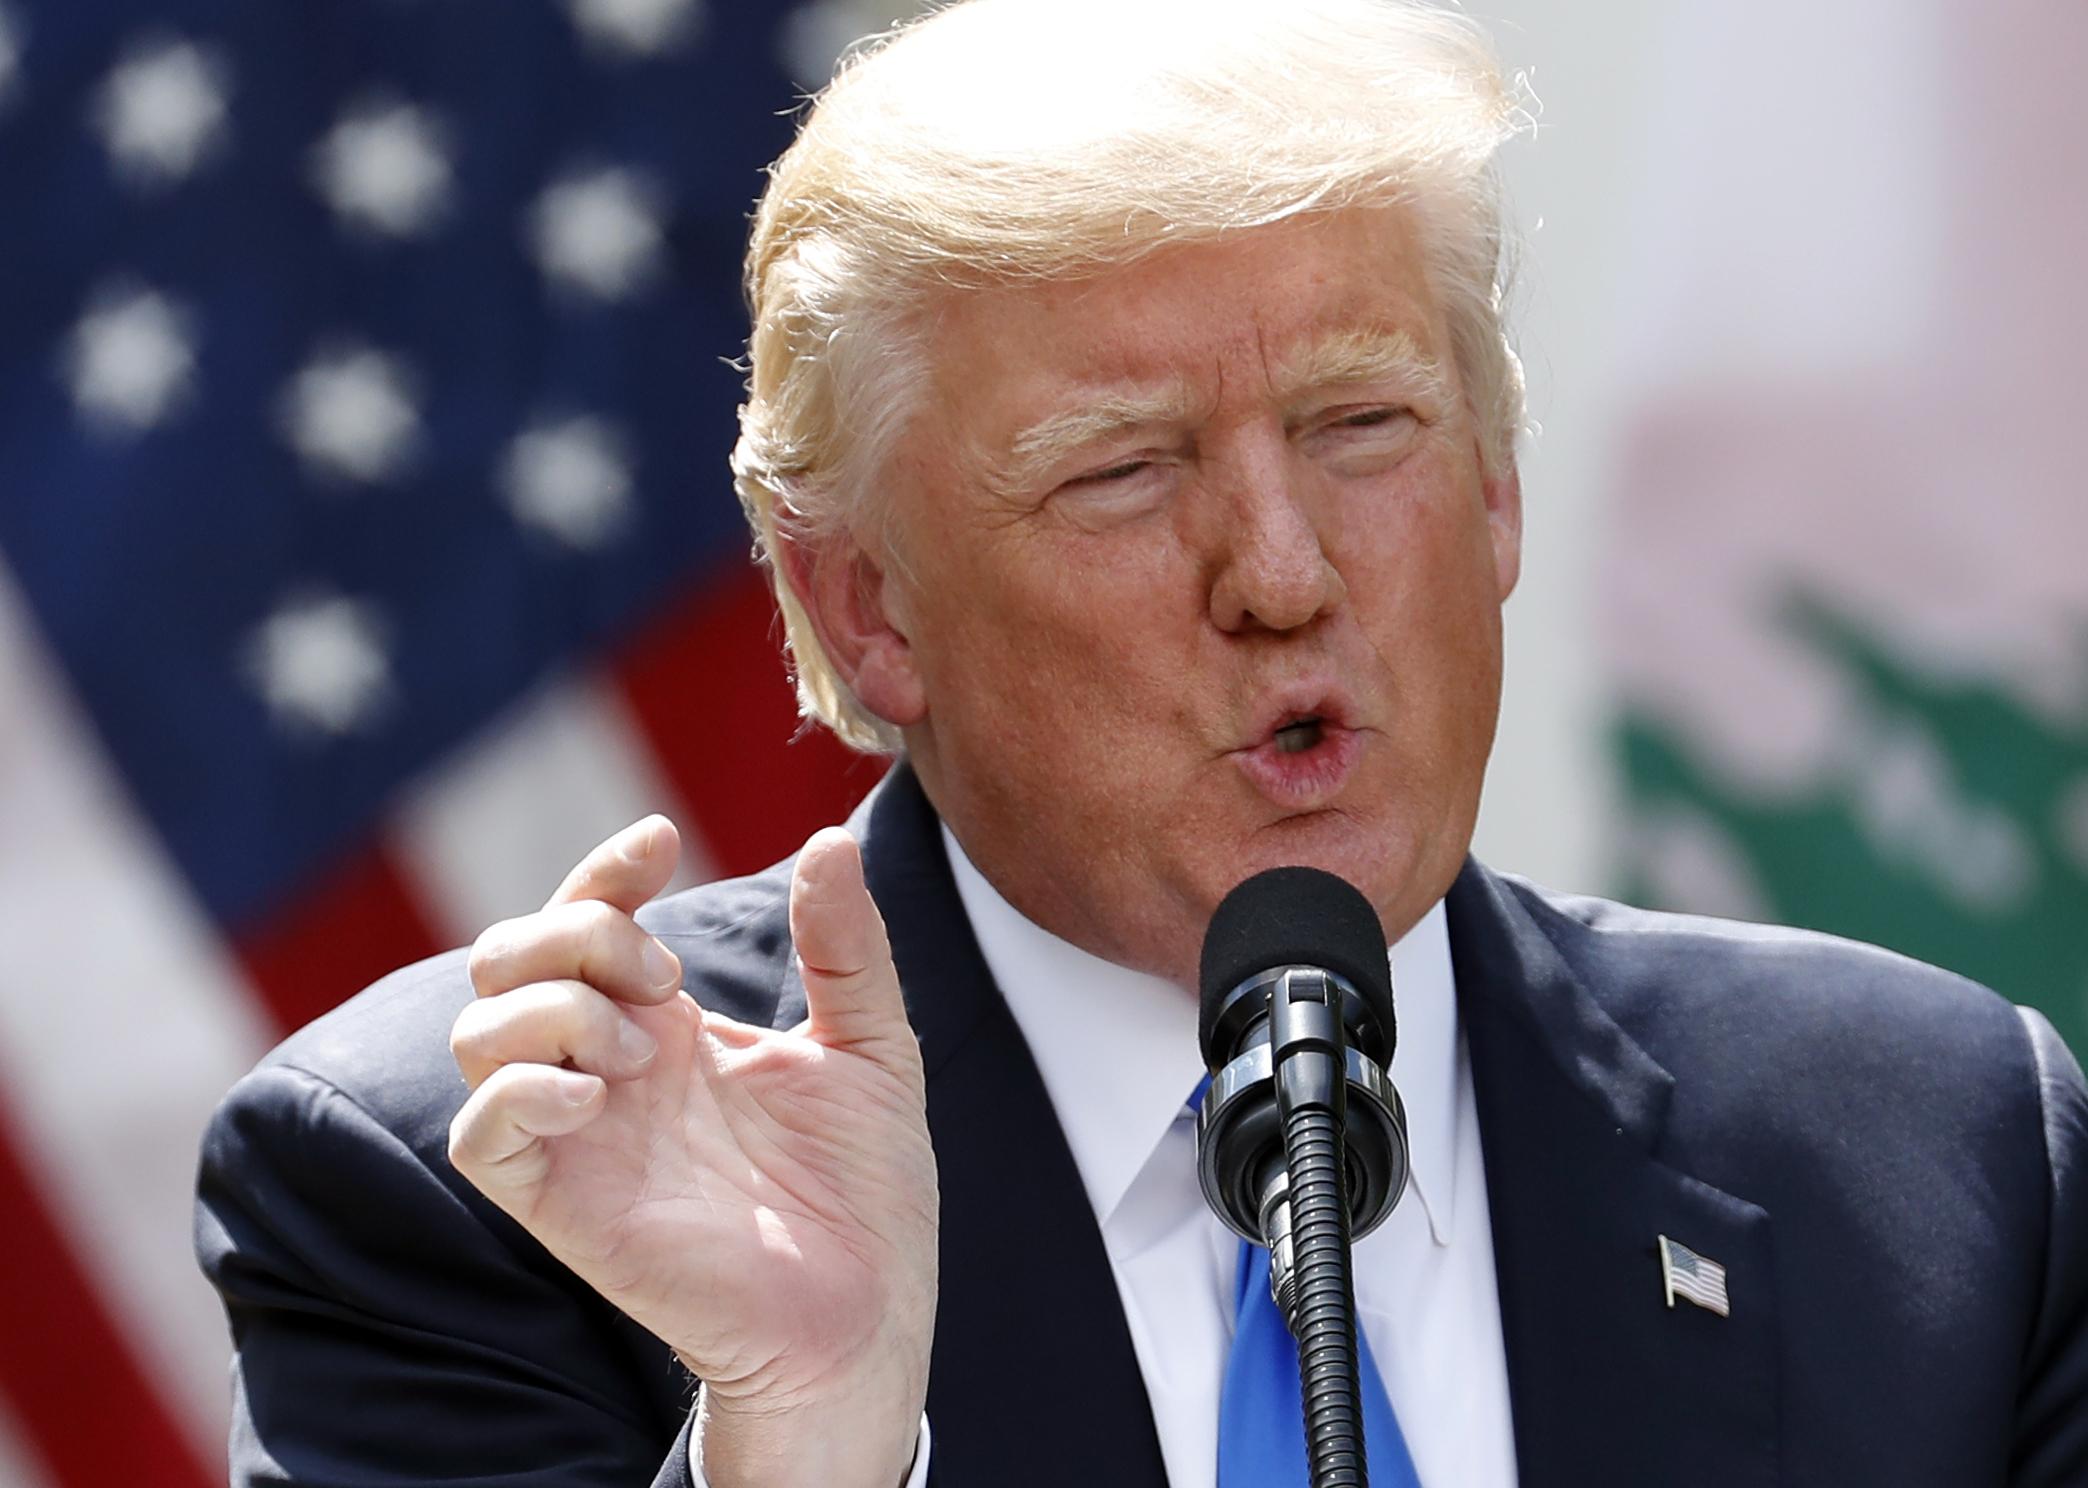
1273,569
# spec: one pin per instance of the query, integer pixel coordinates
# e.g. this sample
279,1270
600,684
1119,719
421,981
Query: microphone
1301,1139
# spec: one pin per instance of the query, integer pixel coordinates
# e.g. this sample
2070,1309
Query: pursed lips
1297,716
1296,738
1304,754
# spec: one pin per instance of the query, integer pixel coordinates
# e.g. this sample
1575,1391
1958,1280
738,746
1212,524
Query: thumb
851,987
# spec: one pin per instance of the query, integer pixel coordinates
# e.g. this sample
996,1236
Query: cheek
1424,578
1078,609
1075,664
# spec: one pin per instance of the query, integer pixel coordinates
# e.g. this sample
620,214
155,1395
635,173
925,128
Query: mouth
1304,758
1299,736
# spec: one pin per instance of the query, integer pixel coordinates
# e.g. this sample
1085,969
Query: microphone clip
1296,1050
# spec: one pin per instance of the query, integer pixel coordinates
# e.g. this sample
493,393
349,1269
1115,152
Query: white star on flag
598,234
161,112
816,36
320,664
11,30
632,29
350,413
571,479
384,168
130,360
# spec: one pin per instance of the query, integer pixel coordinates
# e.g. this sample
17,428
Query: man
1131,429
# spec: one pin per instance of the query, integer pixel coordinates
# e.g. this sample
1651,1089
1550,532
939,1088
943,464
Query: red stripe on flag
707,684
357,923
78,1395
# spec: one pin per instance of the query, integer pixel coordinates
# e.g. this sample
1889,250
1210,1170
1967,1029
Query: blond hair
1005,140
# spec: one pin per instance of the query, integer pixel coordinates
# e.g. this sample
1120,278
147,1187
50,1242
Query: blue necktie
1261,1423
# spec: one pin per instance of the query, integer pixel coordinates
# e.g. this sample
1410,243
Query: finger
851,987
497,1139
587,941
561,1022
627,869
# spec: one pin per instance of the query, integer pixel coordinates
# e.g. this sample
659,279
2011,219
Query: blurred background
367,549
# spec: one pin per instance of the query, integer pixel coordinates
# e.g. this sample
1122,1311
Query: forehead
1233,316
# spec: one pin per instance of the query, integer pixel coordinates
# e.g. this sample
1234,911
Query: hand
765,1202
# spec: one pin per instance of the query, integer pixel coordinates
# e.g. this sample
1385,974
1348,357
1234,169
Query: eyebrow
1358,354
1361,354
1041,446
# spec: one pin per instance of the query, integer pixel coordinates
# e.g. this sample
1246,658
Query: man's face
1197,574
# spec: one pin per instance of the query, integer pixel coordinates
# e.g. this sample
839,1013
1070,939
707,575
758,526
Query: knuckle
493,950
464,1038
519,1024
474,1037
593,917
492,1106
586,1016
607,935
464,1136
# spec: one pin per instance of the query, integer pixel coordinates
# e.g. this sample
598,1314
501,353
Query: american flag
366,552
1693,1278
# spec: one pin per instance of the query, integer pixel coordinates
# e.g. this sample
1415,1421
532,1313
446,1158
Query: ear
849,595
1502,492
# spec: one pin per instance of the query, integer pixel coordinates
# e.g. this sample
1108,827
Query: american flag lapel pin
1694,1278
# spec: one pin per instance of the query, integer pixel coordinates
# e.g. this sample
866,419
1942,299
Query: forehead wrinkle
1357,354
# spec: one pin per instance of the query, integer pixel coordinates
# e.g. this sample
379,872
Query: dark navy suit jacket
1891,1163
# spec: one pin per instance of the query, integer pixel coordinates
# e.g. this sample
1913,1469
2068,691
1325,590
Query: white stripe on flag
494,829
19,1466
122,1022
1697,1290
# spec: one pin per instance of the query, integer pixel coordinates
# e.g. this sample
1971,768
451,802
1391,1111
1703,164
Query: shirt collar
1117,1048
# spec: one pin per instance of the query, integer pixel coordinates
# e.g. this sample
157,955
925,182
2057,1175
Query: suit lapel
1606,1382
1034,1380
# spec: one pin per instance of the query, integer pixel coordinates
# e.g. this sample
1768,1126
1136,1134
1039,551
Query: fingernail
578,1091
661,969
635,1045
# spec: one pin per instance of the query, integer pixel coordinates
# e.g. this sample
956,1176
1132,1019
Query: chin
1400,873
1375,860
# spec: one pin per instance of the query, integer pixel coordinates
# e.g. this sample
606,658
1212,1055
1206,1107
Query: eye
1367,418
1360,427
1122,470
1132,487
1361,438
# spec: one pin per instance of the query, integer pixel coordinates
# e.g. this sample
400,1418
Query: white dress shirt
1425,1291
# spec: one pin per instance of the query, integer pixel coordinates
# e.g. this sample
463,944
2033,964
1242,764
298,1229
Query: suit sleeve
390,1330
2051,1443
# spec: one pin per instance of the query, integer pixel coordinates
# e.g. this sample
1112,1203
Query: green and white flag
1849,601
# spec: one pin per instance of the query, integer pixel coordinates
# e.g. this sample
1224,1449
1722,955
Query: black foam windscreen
1293,917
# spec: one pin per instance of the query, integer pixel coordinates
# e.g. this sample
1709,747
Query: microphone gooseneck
1301,1140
